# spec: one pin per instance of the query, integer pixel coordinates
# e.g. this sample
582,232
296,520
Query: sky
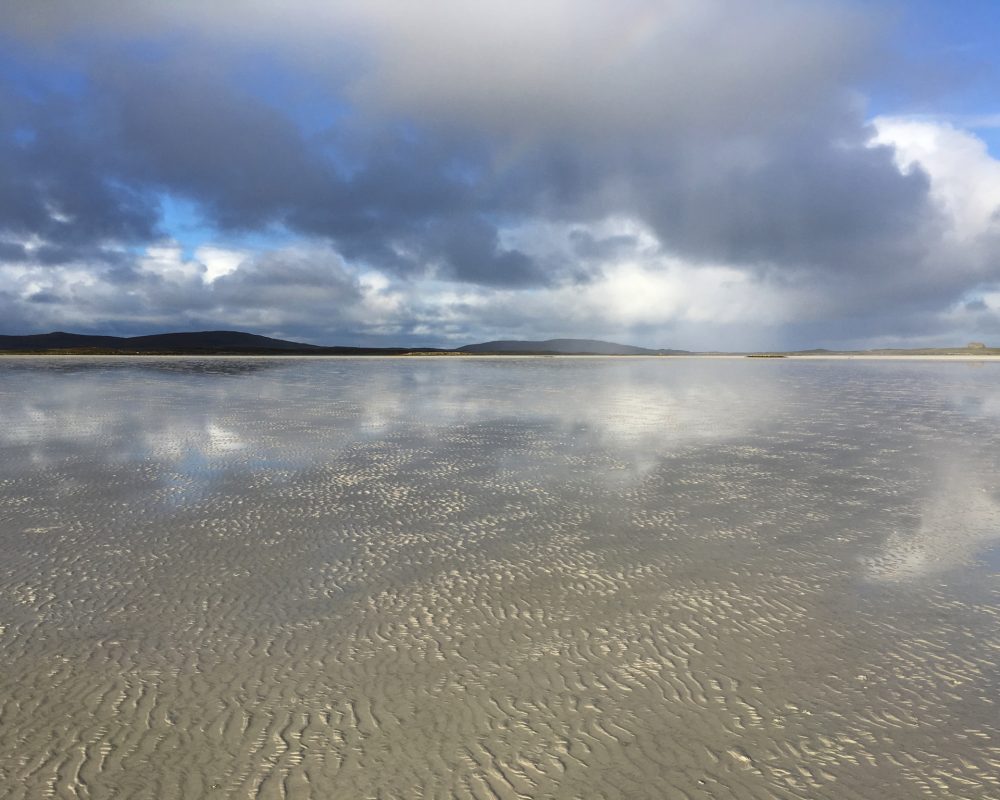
694,174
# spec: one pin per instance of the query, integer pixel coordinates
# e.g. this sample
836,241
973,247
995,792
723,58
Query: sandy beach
498,578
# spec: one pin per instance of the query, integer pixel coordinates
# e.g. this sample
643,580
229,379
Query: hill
240,343
195,341
564,347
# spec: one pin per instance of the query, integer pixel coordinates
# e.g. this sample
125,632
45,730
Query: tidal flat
499,578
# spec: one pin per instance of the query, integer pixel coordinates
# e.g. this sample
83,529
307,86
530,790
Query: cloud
311,292
291,291
453,170
964,180
632,66
965,177
58,195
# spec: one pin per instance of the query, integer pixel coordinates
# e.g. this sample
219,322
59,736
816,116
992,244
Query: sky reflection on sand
595,577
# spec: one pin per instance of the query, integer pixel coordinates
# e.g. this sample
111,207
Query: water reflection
957,520
409,577
300,411
917,436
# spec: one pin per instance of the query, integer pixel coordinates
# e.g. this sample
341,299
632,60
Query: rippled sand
499,578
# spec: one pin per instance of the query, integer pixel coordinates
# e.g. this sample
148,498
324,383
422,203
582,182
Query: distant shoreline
243,344
957,357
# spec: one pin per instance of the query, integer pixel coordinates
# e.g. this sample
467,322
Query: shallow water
498,578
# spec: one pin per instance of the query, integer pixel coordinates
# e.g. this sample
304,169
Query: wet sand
499,578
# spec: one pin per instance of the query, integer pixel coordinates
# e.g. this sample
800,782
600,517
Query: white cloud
965,178
219,261
634,292
166,261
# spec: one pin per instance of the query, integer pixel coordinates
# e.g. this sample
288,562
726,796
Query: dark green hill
195,341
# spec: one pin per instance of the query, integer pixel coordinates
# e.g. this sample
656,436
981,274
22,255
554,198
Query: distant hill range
195,342
240,343
237,343
201,340
971,349
565,347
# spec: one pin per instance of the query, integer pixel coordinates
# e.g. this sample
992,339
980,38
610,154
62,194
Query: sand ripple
495,579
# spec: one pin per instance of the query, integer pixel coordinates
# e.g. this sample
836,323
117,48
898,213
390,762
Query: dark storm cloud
591,248
245,164
468,248
728,130
805,202
402,203
12,251
420,196
94,163
58,179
